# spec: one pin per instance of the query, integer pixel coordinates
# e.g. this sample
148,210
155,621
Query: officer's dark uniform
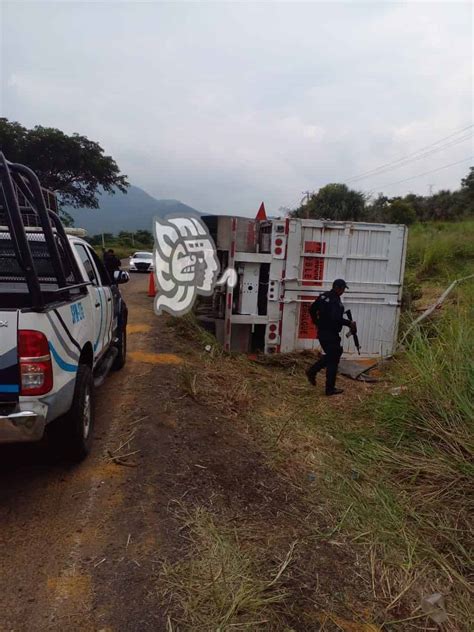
328,312
112,264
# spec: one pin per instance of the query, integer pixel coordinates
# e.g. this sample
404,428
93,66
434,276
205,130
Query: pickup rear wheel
121,348
71,434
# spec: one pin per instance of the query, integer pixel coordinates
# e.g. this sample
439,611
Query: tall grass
441,249
434,420
416,496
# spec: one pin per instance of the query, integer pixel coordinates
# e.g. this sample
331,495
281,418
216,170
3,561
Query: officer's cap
341,284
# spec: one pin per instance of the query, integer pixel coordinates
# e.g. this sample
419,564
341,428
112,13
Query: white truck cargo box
283,266
370,257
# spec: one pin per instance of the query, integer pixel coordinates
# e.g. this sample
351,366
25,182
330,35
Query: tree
126,237
72,166
467,183
377,211
98,240
418,204
401,212
333,201
139,237
445,205
467,192
144,237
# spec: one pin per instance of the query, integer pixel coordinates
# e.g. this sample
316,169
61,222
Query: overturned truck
284,264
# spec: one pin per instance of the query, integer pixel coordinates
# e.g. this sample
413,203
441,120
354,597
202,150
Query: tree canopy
339,202
333,201
75,167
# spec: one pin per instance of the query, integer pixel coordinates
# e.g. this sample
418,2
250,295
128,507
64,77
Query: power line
422,149
410,156
423,174
426,154
406,161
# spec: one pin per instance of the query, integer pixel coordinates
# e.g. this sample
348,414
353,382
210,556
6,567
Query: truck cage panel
284,264
24,203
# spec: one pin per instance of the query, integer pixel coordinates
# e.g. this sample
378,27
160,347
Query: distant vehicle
141,262
63,321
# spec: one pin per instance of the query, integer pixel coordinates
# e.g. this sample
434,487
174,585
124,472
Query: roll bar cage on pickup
21,194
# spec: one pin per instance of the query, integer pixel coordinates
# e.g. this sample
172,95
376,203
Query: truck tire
121,346
71,435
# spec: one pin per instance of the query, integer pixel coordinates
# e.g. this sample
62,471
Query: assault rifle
354,335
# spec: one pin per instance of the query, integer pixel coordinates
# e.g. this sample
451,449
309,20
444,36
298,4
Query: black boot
311,377
334,391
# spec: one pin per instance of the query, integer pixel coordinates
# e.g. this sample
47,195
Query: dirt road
79,544
85,547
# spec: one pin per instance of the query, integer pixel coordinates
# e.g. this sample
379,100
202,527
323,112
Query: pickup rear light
36,369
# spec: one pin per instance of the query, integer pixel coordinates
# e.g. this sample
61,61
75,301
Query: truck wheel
121,348
71,434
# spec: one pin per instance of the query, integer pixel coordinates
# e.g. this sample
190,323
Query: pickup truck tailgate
9,370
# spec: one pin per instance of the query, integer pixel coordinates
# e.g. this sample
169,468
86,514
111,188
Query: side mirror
120,276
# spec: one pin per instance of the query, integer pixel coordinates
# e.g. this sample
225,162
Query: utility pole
306,195
430,189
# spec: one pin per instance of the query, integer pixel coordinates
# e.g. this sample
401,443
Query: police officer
327,312
112,263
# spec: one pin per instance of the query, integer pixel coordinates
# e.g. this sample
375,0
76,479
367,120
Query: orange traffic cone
151,285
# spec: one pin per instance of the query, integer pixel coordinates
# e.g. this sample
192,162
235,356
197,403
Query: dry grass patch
225,384
380,502
392,475
221,582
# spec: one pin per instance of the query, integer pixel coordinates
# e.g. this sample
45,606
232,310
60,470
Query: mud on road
82,547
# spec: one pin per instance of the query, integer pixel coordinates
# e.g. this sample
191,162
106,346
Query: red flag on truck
261,215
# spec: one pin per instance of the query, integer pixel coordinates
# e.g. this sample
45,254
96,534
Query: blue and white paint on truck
75,331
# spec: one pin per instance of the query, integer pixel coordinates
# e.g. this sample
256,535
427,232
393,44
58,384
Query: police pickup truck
62,320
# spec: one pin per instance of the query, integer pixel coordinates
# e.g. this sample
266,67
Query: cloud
223,105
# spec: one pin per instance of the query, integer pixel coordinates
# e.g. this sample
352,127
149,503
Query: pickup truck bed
61,331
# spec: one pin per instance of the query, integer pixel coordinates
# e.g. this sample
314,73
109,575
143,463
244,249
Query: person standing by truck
111,262
327,313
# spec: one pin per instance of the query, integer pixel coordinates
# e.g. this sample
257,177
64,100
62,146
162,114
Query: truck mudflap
9,368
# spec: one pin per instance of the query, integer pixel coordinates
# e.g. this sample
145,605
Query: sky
223,105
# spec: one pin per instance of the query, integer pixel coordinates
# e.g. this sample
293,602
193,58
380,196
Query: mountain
131,211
